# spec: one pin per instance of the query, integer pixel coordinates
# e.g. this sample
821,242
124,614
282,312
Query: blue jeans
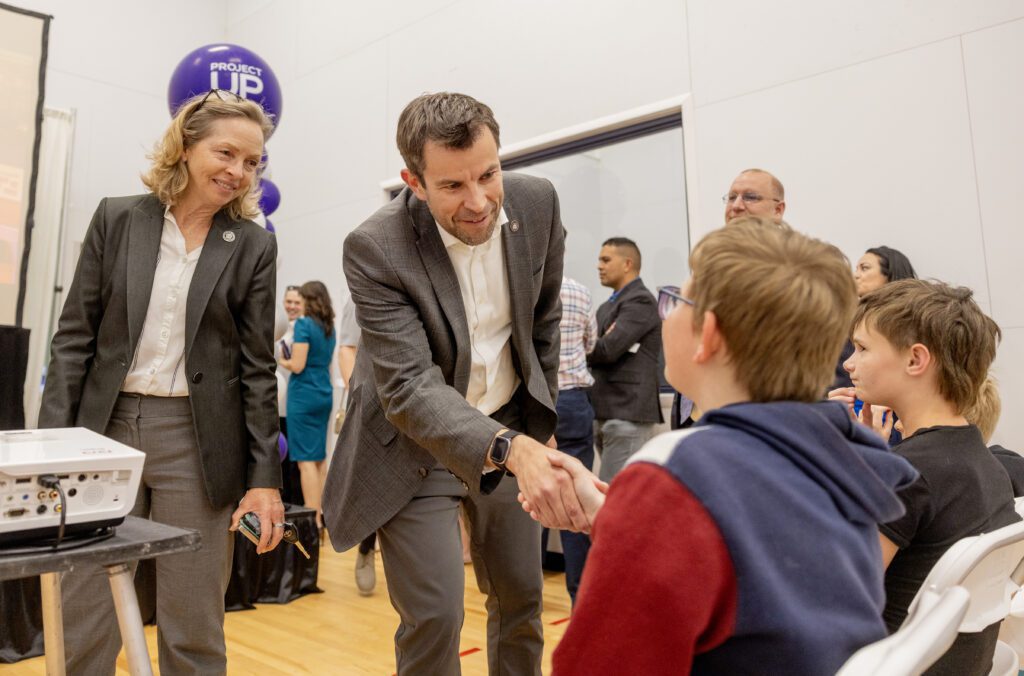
575,437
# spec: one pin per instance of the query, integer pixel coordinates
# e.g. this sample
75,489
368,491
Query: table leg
122,586
53,623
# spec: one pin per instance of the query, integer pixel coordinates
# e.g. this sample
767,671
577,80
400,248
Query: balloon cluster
238,70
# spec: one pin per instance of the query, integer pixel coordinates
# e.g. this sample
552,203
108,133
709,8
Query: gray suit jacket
229,335
407,410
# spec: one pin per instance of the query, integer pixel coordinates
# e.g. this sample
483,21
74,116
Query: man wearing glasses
755,192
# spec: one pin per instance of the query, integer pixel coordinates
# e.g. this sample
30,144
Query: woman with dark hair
310,393
880,265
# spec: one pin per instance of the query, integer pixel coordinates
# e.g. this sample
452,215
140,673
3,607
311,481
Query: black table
278,577
134,540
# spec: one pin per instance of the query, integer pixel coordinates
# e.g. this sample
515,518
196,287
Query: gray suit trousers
422,555
617,441
190,586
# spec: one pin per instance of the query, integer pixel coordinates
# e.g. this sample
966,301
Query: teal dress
310,394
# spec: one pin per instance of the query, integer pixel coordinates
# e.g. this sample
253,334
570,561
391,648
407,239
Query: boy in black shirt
923,349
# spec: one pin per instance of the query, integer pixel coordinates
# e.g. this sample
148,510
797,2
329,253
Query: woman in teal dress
310,392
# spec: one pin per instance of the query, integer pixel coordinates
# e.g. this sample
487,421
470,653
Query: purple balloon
270,226
282,446
229,67
271,197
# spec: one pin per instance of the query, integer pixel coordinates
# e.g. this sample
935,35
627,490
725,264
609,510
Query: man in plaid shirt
575,431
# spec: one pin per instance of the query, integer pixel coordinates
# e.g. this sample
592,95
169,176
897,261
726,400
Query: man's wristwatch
501,449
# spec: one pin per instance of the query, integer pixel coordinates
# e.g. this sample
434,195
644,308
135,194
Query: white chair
1012,630
1004,662
924,638
991,568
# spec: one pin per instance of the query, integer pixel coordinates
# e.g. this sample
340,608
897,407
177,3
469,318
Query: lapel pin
514,226
229,236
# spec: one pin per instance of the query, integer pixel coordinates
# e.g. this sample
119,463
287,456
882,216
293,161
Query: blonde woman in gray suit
165,343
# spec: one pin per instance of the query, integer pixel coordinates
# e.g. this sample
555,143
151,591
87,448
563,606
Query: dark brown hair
451,120
960,337
893,263
318,305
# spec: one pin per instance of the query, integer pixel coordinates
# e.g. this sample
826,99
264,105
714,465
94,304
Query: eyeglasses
292,287
210,93
746,198
669,299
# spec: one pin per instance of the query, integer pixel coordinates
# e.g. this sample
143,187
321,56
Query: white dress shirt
159,364
483,281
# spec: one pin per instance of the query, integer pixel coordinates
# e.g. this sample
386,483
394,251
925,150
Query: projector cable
53,481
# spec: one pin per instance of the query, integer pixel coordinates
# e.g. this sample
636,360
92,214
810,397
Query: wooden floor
341,632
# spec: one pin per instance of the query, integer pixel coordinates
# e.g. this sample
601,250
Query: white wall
889,122
348,69
632,188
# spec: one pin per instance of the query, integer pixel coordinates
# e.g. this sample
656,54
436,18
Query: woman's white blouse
159,364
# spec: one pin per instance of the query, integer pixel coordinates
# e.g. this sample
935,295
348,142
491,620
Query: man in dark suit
625,360
456,287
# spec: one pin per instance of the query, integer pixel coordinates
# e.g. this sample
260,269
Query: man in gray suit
456,286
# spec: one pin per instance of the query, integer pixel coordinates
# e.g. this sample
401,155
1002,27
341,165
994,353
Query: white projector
99,477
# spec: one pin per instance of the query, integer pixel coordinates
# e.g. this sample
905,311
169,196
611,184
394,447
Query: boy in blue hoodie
749,542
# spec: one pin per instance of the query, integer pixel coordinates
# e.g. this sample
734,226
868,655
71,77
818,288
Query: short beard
468,239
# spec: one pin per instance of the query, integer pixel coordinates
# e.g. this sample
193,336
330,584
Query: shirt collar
172,230
451,240
615,294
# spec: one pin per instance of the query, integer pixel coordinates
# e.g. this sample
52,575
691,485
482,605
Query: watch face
499,454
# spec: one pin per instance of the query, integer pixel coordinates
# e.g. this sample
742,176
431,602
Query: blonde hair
960,337
167,177
783,302
986,408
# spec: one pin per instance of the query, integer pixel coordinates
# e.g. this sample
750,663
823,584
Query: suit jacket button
197,377
424,472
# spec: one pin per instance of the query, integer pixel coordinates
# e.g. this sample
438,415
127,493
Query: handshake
555,488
